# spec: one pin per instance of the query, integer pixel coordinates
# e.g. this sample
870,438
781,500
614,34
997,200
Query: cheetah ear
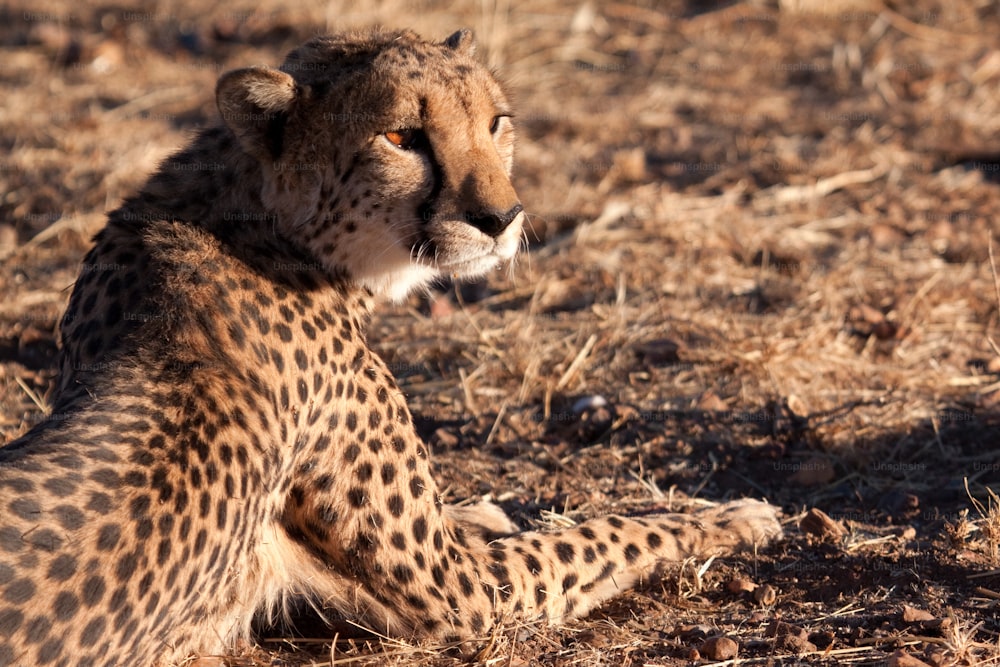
462,41
254,103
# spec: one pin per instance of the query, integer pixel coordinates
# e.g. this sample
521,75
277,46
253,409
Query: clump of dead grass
988,524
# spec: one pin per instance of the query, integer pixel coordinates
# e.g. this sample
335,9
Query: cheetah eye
495,124
406,139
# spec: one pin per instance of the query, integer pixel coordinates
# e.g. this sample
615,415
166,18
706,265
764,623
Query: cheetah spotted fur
227,440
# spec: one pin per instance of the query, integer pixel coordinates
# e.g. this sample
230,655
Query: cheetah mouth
472,266
459,250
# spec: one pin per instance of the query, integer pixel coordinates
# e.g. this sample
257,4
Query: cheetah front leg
564,574
387,553
419,569
624,549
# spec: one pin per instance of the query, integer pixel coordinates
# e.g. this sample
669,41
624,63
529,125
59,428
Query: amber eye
405,139
495,125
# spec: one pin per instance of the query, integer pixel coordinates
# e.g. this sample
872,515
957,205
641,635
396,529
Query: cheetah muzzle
227,440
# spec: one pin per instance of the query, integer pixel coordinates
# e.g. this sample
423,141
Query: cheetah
227,442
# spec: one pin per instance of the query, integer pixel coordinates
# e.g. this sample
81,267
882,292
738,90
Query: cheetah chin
228,442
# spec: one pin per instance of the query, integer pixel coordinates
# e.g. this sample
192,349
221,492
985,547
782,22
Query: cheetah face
388,159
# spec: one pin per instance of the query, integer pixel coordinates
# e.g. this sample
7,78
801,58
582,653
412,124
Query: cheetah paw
744,522
484,518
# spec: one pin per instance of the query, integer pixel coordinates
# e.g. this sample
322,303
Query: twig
993,595
868,543
824,186
148,101
496,424
996,281
848,608
905,25
577,362
31,394
470,401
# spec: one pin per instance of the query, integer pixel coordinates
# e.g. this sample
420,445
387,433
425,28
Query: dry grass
764,238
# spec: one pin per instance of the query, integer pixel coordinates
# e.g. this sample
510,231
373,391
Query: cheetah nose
493,222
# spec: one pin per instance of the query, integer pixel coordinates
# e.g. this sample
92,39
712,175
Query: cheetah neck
211,183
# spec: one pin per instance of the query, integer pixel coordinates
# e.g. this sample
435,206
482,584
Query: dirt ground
762,265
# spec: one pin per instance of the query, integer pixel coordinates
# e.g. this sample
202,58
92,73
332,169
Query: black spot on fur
402,574
62,568
65,606
357,498
419,529
395,504
108,536
531,562
565,552
465,584
19,591
654,541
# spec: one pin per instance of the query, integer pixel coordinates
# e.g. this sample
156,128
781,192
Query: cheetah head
387,157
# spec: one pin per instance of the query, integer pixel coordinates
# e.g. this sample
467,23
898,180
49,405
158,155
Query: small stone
940,236
790,637
600,418
817,522
630,164
719,648
740,585
884,236
870,321
691,632
905,533
901,505
782,629
445,438
766,595
903,659
938,656
914,615
796,644
589,403
797,406
710,402
108,55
